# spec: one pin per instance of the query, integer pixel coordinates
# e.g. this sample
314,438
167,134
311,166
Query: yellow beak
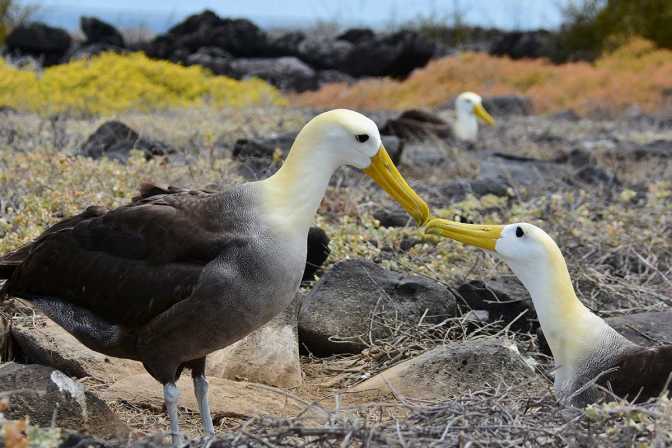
483,114
385,174
484,236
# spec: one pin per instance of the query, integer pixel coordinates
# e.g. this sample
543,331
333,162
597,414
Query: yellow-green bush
112,83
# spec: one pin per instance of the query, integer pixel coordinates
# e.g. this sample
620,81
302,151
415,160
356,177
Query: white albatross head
344,137
469,108
529,251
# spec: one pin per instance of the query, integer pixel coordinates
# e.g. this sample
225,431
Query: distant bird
417,124
586,350
177,274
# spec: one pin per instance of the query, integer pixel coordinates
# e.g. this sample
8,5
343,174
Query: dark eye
361,138
519,232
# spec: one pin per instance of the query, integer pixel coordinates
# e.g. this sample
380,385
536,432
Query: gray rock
115,140
395,55
520,171
358,299
505,105
323,52
459,189
257,157
269,355
99,32
284,44
451,370
658,148
42,341
40,41
525,44
356,35
213,58
285,73
648,329
49,397
393,218
317,253
333,76
566,115
504,299
592,174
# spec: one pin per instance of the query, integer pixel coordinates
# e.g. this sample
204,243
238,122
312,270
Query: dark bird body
637,373
177,274
132,281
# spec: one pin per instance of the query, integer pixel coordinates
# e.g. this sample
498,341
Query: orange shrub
636,74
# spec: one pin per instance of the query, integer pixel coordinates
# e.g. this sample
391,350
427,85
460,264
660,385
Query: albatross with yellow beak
468,109
177,274
586,350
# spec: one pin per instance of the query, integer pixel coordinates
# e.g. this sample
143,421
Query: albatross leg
170,394
201,391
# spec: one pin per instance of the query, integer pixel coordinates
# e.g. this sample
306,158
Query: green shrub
594,26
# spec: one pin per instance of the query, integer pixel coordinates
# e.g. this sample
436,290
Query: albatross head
344,137
469,108
524,247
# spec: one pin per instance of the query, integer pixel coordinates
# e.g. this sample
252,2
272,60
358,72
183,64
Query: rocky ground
402,339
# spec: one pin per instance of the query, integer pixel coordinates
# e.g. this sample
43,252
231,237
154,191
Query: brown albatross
176,275
586,350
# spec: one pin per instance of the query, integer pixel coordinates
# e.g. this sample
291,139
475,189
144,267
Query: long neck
466,126
293,194
571,330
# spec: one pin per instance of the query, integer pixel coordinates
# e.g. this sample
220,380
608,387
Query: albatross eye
361,138
519,232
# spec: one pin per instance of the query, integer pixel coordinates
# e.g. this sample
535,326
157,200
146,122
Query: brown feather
642,373
128,264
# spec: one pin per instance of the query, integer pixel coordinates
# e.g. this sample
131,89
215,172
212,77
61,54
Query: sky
158,15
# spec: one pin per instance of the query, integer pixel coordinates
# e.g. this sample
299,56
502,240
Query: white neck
294,193
466,126
571,329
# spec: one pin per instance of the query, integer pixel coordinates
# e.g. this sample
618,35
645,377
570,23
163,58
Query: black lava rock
40,41
99,32
318,252
115,140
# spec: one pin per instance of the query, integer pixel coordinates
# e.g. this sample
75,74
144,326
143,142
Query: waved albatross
177,274
586,350
417,124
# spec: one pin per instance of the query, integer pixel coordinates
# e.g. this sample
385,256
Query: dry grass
616,242
612,84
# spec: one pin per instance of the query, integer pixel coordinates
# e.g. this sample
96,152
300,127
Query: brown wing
126,265
642,373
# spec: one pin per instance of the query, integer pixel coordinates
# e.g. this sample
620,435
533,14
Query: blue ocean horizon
157,16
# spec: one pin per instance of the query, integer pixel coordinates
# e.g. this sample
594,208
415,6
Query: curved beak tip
483,114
